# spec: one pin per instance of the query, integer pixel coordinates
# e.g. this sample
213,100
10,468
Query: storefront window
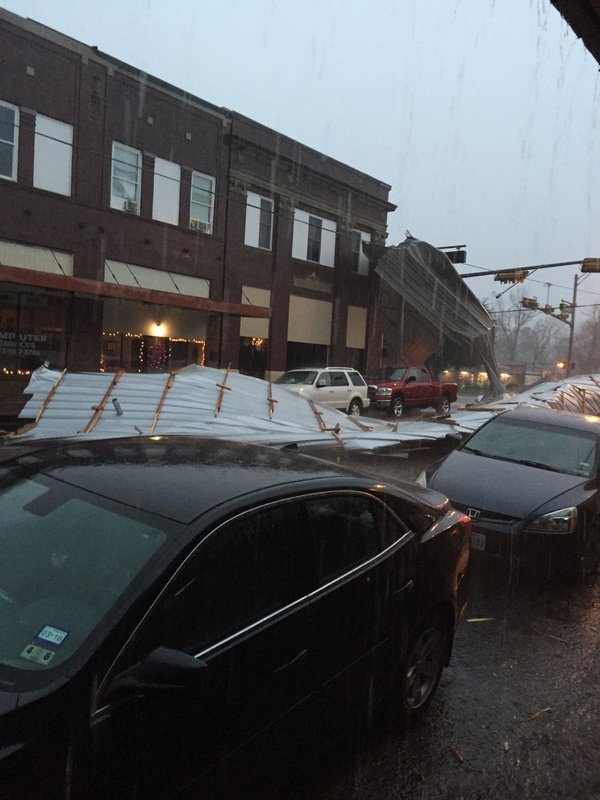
32,331
139,353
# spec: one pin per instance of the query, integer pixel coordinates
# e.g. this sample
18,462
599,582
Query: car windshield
561,449
299,376
387,374
67,557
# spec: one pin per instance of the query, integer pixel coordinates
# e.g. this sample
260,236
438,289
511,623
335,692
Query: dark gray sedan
529,481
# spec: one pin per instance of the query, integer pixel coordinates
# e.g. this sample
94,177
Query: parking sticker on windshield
38,654
51,635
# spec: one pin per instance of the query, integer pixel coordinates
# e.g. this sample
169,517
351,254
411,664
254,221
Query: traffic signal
590,265
529,302
511,276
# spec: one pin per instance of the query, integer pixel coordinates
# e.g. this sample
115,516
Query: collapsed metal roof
427,280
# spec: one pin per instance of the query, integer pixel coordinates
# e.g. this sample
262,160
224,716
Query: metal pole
571,334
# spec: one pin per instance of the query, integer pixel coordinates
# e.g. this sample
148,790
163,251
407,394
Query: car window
573,452
244,570
338,378
324,379
67,557
357,379
424,376
348,529
299,376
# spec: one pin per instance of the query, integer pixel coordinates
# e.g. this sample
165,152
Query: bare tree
587,343
527,336
510,322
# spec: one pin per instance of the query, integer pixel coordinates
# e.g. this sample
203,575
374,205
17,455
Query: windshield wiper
472,450
537,464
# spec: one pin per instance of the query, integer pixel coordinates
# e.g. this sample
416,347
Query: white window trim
253,203
65,145
167,182
300,238
119,202
362,268
14,144
196,223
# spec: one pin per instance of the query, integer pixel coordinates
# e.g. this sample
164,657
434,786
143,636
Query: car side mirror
168,668
321,383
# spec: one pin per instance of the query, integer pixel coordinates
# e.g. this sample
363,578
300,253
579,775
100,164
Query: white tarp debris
203,401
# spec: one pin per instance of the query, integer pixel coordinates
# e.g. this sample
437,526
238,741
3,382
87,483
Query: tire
422,670
586,560
355,408
444,404
397,408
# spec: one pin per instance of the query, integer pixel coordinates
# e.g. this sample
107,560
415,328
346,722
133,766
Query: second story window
259,221
202,202
53,156
314,238
165,204
126,178
9,126
313,251
360,263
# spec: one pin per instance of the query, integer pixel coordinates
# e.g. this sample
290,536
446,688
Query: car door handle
298,657
406,586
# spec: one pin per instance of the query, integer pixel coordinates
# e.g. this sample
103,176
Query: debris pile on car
204,401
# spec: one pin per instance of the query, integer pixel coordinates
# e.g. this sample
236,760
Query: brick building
144,228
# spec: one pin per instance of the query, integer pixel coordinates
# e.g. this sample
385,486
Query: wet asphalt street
517,713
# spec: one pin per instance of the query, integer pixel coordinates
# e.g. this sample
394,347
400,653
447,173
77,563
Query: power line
216,194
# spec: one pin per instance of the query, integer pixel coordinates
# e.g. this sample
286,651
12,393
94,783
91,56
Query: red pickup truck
400,388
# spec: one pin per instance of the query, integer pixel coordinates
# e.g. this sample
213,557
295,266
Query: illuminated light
561,365
159,330
156,438
590,418
504,375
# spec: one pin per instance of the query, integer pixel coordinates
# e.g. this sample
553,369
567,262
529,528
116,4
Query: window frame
14,144
118,202
360,263
304,245
199,224
253,233
314,243
39,167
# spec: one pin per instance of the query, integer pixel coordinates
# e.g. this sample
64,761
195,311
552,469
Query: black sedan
181,616
529,480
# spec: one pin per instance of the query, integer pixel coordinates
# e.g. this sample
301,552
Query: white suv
340,387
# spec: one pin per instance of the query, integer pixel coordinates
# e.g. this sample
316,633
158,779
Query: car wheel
423,666
355,407
397,407
444,404
587,558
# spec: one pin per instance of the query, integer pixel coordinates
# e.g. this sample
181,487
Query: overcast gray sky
481,114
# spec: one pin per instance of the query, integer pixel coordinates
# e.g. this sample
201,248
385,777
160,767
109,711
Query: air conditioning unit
203,227
130,205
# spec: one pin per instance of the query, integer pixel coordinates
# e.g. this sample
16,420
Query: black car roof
181,477
550,416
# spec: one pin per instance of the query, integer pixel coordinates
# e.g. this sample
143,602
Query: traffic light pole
572,324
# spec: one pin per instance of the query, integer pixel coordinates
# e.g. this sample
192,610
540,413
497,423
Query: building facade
145,229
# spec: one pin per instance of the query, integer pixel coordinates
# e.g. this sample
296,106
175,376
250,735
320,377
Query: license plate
478,541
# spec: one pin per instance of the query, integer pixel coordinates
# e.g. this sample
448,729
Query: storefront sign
28,343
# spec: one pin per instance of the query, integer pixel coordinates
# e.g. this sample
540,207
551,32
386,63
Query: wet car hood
502,487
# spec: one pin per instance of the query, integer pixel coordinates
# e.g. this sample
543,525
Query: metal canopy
427,280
